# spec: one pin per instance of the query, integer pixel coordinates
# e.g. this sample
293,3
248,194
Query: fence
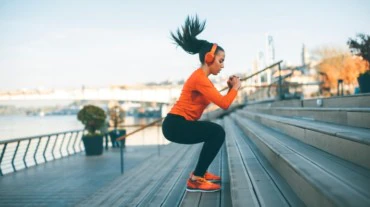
17,154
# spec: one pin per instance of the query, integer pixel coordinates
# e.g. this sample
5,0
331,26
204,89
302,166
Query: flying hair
186,37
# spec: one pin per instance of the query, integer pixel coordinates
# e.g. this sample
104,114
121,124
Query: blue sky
67,44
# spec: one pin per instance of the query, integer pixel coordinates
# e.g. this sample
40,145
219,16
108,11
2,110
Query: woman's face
218,64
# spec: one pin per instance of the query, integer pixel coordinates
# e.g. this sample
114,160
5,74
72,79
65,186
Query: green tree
360,46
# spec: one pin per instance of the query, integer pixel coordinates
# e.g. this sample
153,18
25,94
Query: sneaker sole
202,191
214,181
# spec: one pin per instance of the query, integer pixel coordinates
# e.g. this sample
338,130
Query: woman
181,125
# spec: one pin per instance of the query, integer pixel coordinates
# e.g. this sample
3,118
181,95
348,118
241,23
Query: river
17,126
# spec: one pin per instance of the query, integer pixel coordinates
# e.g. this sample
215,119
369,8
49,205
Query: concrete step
349,143
318,178
358,101
357,117
253,180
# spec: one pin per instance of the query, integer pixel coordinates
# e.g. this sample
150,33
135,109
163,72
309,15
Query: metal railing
278,89
122,138
260,71
17,154
22,153
277,84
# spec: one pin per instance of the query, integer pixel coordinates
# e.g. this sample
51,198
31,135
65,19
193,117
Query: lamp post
340,87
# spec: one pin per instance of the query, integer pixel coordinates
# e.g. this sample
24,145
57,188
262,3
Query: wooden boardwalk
161,181
67,181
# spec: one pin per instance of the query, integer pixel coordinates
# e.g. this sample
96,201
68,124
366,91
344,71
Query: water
25,126
17,126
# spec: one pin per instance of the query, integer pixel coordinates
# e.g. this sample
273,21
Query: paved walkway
67,181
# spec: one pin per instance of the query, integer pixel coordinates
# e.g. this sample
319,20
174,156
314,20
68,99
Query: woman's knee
220,133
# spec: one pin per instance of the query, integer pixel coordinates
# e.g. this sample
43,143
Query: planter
115,134
93,145
364,82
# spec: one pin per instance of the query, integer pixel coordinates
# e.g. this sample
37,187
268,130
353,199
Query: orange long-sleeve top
197,93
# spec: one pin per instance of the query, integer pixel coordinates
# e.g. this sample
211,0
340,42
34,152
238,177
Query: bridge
159,94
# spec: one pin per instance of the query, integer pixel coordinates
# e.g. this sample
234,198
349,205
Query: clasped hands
233,82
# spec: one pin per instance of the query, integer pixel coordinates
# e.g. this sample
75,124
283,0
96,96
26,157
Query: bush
92,117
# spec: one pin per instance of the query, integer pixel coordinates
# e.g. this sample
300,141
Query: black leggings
177,129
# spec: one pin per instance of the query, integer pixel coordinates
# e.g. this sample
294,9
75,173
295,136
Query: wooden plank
157,197
154,175
266,186
191,199
109,192
178,192
242,193
225,193
213,199
283,186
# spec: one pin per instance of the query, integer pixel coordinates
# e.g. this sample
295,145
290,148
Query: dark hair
186,38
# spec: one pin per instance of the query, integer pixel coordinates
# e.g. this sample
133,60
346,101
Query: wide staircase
277,153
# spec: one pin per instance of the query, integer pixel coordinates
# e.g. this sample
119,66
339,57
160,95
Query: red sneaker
210,177
201,185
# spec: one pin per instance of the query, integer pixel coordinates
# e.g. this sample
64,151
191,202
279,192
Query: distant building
270,50
261,61
270,56
299,82
305,56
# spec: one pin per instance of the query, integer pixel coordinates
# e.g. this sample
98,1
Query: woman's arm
205,87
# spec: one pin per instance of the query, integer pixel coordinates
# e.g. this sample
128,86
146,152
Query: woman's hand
233,82
229,82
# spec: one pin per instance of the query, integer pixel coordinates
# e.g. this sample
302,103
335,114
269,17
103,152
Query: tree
116,114
360,46
337,63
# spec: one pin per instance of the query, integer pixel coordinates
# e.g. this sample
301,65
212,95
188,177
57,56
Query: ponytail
186,38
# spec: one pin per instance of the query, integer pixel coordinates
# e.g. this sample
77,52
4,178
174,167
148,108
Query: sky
56,44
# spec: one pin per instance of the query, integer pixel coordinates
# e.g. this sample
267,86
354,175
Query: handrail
122,138
137,130
131,125
284,84
258,72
